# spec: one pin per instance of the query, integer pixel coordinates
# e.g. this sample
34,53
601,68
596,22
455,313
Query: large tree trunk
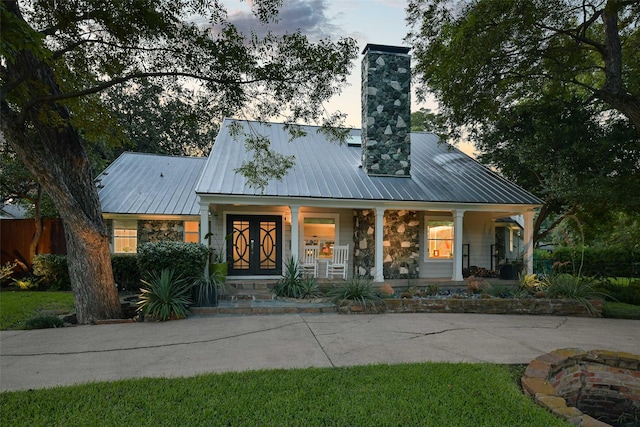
51,148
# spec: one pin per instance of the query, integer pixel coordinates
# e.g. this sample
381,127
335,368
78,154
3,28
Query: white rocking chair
339,263
309,260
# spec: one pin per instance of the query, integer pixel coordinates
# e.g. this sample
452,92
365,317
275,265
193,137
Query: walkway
201,344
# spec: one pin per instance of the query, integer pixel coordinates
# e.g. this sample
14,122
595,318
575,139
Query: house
150,197
408,205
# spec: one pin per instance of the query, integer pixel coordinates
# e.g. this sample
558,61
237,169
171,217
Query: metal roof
326,169
137,183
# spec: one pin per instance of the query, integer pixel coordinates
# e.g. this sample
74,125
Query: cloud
308,16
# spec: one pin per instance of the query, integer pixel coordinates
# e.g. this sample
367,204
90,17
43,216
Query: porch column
528,241
204,224
295,231
379,276
458,215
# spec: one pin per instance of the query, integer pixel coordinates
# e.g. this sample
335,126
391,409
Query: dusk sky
367,21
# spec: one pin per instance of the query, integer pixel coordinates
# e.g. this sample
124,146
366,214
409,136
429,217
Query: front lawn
434,394
620,310
16,307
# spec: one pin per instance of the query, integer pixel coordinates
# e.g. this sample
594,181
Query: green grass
16,307
430,394
619,310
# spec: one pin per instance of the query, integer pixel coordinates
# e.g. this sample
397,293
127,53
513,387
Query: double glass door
255,245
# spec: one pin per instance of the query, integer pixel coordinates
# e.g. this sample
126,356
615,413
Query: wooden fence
16,235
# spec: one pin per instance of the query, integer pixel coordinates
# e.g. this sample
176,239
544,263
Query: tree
57,56
577,159
424,120
480,57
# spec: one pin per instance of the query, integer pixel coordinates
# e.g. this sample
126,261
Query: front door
255,245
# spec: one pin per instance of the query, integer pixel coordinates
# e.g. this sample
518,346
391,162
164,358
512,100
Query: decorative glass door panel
256,245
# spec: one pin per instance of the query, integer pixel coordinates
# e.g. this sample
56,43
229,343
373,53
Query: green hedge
599,262
53,271
188,259
126,272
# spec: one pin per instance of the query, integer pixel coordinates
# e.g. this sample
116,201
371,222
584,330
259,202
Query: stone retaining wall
484,306
491,306
595,388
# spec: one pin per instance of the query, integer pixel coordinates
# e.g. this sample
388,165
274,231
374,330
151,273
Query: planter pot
203,297
219,269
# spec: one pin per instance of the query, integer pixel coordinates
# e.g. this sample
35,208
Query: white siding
479,229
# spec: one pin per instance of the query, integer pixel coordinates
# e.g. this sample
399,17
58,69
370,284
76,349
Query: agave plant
357,289
290,284
165,296
576,288
309,288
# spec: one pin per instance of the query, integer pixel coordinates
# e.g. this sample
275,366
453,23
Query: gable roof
138,183
327,170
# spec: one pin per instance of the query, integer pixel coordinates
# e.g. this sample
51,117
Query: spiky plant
579,289
165,296
290,284
309,288
357,289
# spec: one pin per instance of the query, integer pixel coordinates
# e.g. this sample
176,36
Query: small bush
188,259
44,321
309,288
53,270
126,272
26,283
357,289
578,289
290,284
166,295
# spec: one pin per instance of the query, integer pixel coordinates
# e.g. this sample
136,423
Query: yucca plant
579,289
290,284
357,289
165,296
309,288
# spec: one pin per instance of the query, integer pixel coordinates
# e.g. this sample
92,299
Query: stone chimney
386,110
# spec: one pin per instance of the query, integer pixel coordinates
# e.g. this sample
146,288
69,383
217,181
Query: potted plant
206,289
218,265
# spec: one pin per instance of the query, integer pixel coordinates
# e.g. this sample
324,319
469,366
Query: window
125,236
440,239
191,229
320,231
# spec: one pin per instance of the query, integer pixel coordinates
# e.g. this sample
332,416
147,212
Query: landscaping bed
532,306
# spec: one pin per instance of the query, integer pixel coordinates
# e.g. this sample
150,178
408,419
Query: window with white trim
125,236
320,230
439,235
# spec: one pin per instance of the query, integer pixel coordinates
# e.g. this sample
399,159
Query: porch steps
247,298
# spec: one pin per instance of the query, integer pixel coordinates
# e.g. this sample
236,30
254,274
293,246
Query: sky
366,21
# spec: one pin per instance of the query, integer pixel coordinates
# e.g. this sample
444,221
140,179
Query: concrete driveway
201,344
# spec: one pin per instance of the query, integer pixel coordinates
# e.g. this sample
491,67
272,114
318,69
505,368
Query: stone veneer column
386,110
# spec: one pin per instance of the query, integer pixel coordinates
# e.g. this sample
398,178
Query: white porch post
295,231
458,215
379,276
204,224
528,241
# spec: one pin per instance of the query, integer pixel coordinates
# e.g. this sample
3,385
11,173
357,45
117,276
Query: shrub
53,270
624,291
189,259
125,271
166,295
6,271
290,284
578,289
44,321
357,289
27,283
309,288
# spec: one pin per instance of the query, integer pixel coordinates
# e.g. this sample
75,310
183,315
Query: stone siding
401,244
156,231
386,113
364,261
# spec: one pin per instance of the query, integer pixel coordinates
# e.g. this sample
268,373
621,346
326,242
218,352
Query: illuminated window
191,229
125,236
320,231
440,239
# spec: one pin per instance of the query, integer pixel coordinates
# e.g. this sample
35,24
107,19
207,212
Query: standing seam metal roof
137,183
326,169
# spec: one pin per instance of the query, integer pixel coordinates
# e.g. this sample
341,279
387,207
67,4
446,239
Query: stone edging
485,306
544,370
